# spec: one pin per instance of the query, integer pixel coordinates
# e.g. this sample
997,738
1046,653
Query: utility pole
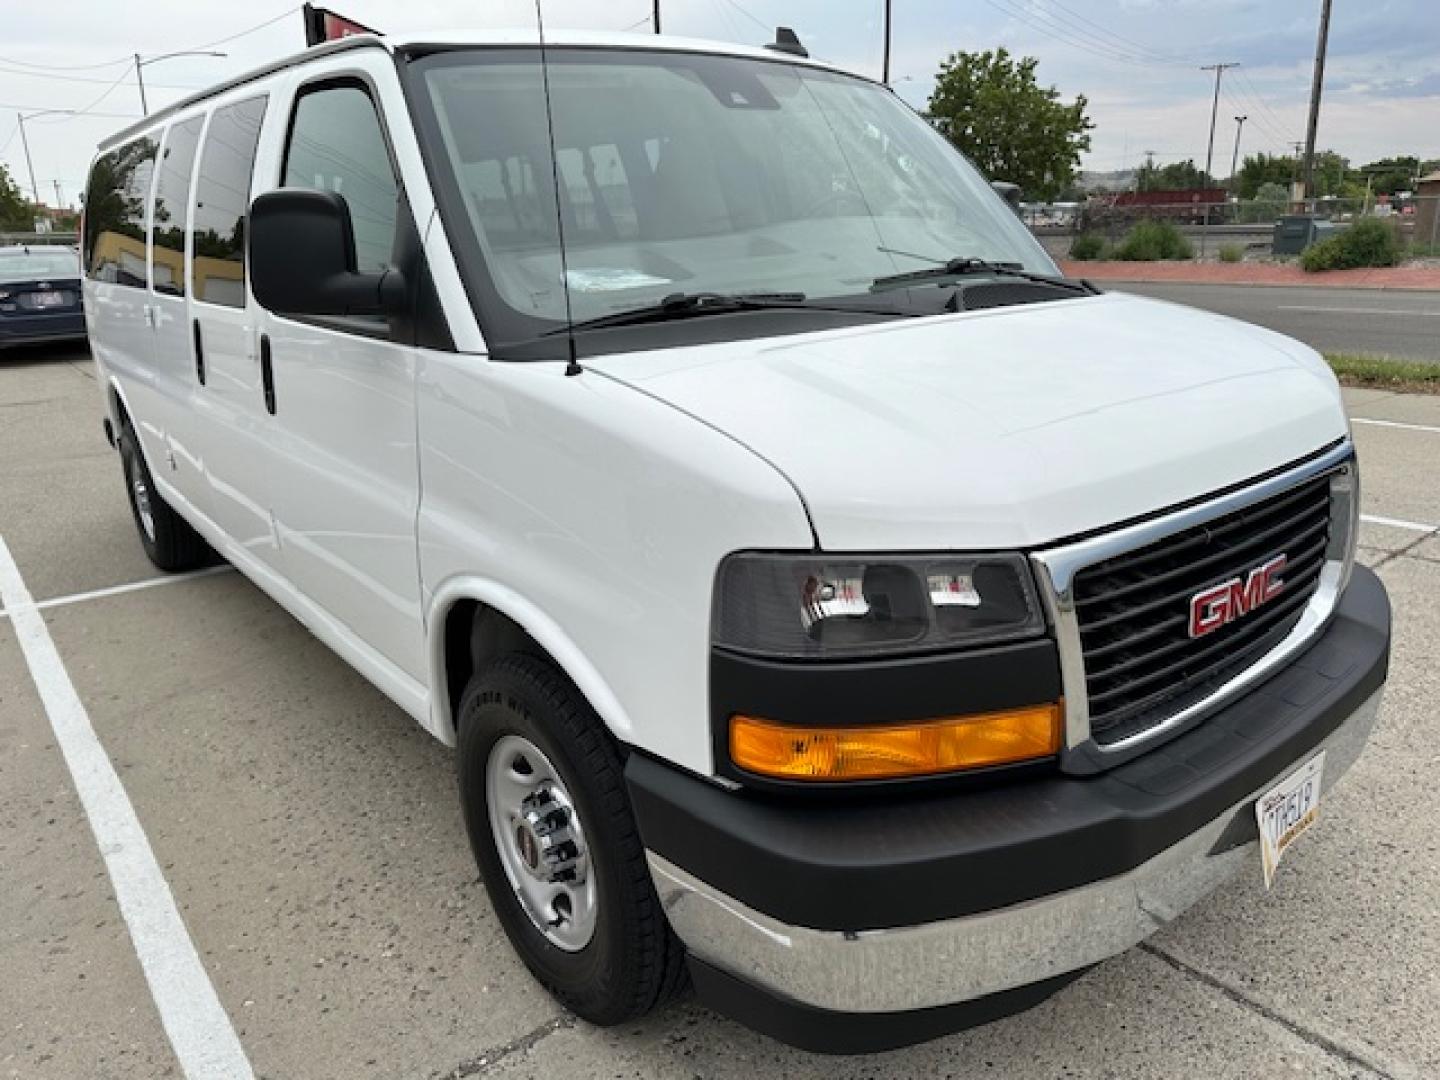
140,81
29,165
655,14
1219,70
1315,85
59,198
885,65
1235,157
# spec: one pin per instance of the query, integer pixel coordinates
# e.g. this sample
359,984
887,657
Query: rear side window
337,144
115,202
222,195
172,207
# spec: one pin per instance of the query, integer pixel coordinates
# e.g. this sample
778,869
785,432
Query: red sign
1212,608
322,24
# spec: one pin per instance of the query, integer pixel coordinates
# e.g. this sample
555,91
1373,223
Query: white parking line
199,1030
1395,424
116,590
1399,523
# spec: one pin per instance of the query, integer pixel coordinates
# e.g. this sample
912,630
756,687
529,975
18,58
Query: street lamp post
142,61
1235,157
25,142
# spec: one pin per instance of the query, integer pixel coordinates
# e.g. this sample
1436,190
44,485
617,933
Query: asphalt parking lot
311,838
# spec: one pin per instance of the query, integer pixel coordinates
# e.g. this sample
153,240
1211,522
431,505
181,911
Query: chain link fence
1248,224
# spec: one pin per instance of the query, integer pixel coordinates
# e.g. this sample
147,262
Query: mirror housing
302,258
1011,193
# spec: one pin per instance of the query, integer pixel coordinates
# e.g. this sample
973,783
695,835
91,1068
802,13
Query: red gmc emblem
1212,608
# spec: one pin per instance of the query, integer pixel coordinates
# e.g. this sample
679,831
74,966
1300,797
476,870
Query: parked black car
40,296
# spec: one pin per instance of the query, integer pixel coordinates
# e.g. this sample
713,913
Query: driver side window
336,143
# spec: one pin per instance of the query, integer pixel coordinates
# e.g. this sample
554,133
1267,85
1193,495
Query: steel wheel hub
141,494
541,842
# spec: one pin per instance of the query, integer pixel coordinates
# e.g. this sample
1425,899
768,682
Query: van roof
421,41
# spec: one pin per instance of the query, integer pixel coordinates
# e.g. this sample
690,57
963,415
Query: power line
246,32
1249,88
758,22
1272,135
61,67
85,79
1137,47
40,71
1058,31
39,108
1069,21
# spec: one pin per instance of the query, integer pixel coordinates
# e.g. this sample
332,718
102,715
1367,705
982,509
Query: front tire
543,793
168,539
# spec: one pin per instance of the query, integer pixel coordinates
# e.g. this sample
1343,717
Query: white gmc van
832,606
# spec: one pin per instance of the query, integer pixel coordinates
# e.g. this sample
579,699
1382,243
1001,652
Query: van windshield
689,173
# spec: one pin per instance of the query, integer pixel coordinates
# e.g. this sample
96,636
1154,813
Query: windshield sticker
610,279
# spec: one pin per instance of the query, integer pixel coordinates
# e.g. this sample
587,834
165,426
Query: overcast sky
1136,60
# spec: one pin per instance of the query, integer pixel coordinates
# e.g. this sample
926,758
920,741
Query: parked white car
830,604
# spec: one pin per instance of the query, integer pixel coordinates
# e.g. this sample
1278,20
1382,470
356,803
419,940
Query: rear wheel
543,792
168,540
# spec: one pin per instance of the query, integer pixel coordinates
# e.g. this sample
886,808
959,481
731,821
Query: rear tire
620,958
168,539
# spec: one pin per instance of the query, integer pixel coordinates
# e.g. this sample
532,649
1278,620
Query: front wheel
543,793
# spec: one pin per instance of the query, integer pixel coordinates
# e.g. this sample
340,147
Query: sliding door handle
199,352
267,374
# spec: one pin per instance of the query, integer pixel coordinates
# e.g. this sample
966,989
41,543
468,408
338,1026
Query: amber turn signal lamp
882,752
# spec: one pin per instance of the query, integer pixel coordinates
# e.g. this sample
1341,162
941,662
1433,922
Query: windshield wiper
682,305
969,264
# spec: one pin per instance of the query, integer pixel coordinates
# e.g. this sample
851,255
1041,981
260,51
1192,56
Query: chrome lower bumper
939,963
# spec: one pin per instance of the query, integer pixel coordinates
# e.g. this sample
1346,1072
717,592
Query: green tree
1333,176
991,107
15,211
1265,169
1176,176
1391,174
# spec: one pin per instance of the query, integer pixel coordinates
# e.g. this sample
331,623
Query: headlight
815,606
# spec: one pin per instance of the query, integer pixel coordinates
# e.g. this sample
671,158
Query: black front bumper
899,860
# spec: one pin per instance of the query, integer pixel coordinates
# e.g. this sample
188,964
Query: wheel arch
472,619
118,403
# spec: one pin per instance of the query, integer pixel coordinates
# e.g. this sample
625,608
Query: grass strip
1386,373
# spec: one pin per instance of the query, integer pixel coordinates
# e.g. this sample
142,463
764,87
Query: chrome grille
1132,610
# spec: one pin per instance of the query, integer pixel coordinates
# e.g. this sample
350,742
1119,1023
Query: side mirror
1011,193
302,258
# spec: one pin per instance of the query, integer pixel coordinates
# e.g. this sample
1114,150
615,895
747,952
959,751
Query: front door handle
267,374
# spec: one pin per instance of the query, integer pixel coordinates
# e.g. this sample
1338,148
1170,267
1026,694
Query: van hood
1012,427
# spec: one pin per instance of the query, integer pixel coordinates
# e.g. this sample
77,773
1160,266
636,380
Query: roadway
1387,322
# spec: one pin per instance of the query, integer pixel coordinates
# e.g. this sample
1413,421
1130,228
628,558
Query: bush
1087,247
1150,241
1368,242
1231,253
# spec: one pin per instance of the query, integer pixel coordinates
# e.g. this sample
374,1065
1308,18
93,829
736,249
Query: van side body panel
536,488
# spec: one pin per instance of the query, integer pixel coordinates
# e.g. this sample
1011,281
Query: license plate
48,299
1286,811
